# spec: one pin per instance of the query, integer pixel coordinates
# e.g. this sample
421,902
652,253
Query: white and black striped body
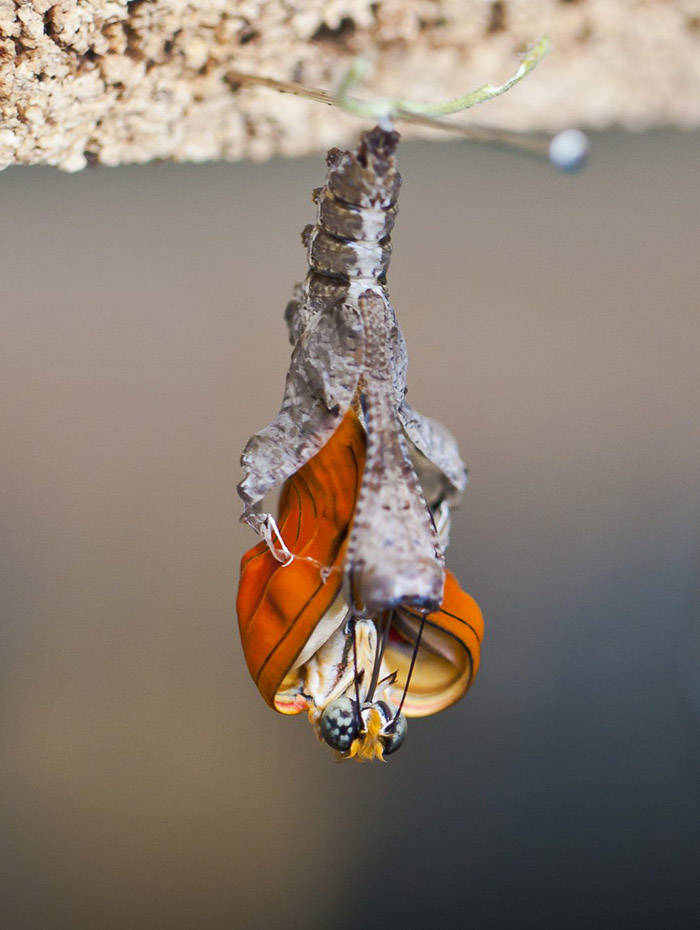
349,247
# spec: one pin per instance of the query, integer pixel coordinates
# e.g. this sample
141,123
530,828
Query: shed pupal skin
349,353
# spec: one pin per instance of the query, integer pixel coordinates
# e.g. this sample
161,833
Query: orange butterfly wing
461,617
280,605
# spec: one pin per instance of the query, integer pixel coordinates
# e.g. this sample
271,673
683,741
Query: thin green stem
395,108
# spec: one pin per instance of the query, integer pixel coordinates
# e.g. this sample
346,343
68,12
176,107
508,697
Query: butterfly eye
340,723
393,732
394,735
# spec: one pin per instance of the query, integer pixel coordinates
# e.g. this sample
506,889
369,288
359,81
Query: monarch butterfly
351,614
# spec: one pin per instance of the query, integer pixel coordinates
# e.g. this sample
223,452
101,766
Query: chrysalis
346,610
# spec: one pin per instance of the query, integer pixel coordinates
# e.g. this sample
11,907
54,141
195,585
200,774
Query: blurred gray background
553,324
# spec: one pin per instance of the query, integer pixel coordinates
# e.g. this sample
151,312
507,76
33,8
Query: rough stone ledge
116,82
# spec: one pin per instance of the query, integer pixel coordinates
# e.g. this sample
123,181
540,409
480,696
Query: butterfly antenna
357,674
416,647
383,627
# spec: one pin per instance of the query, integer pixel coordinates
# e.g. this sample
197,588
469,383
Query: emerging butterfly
345,609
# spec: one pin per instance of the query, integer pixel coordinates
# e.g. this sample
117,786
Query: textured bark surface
118,82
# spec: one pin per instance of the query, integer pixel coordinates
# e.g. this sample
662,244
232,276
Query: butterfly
346,609
306,644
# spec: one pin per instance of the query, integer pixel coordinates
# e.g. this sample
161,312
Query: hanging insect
346,610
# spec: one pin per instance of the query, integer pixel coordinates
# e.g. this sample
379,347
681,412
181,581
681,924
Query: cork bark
116,82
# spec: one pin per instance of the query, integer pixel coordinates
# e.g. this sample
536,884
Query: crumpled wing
448,654
398,358
442,473
321,382
280,604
